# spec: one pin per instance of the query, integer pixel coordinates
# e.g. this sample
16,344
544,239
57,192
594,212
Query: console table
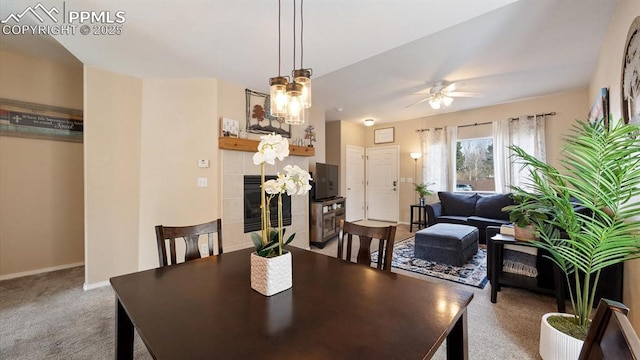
497,278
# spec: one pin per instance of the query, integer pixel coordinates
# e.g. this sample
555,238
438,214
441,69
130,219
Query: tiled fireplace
234,165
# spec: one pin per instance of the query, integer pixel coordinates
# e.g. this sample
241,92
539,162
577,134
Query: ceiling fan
441,94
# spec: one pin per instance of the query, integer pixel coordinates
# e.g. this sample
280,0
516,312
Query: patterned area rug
473,273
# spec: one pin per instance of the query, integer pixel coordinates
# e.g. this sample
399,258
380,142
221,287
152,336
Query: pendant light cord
294,34
301,33
279,36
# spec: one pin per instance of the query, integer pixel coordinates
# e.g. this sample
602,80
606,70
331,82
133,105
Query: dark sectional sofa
479,210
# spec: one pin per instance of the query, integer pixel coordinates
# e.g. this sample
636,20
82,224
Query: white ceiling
369,58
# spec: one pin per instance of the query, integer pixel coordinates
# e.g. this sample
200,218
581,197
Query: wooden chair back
610,335
190,234
385,234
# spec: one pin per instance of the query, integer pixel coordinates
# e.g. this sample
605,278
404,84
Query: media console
324,220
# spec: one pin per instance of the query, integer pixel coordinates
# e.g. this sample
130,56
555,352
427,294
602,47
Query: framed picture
38,121
631,75
383,136
600,108
259,119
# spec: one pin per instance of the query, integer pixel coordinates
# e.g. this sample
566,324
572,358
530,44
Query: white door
355,183
382,183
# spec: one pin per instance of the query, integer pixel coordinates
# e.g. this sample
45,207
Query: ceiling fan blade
464,94
450,87
419,101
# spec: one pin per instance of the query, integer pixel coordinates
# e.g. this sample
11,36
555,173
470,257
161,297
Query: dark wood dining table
206,309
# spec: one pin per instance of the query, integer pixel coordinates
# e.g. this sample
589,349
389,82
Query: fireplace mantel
238,144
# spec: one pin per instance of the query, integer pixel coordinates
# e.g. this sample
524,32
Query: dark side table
421,219
497,278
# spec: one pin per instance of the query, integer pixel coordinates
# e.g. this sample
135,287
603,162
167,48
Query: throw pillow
490,206
458,204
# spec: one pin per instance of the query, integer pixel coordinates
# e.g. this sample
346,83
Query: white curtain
526,132
501,160
437,150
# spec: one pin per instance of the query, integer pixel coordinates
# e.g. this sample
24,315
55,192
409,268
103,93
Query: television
325,181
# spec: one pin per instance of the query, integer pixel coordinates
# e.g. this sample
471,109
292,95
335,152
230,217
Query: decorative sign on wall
383,136
30,120
259,119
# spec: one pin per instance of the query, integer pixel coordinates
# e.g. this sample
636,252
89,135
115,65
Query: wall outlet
204,249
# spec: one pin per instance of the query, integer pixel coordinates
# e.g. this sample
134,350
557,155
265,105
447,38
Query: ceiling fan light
278,96
434,103
303,77
446,100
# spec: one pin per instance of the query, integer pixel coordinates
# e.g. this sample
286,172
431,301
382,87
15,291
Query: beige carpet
49,316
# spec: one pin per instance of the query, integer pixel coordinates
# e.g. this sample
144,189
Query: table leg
457,340
411,219
124,333
558,282
495,260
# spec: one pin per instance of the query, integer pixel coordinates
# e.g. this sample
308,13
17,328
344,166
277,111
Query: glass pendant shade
296,114
278,96
303,77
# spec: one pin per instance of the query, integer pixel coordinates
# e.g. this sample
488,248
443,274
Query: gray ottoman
451,244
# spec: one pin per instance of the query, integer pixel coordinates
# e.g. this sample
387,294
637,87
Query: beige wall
609,74
41,181
112,132
179,126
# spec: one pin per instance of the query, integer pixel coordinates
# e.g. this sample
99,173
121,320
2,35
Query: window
474,165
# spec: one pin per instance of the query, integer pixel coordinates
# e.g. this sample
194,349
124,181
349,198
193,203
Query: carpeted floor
49,316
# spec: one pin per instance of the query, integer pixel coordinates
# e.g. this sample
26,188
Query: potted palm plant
600,172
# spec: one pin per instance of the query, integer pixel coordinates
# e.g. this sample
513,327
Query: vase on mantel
271,275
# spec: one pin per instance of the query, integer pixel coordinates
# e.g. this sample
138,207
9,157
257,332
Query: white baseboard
39,271
97,285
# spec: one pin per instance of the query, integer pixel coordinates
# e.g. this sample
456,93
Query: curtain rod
536,115
489,122
461,126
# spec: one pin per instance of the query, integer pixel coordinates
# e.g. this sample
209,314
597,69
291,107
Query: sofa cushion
490,206
458,204
450,219
481,222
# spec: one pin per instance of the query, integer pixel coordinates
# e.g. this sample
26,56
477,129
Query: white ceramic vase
556,345
270,276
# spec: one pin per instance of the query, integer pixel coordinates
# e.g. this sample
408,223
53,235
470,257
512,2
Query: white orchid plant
294,181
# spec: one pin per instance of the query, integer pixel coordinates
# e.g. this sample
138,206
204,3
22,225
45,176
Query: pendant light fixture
296,112
290,99
278,84
302,76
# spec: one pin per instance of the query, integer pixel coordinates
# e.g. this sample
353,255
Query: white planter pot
270,276
556,345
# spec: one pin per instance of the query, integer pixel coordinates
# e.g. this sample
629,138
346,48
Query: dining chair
190,234
610,335
385,235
